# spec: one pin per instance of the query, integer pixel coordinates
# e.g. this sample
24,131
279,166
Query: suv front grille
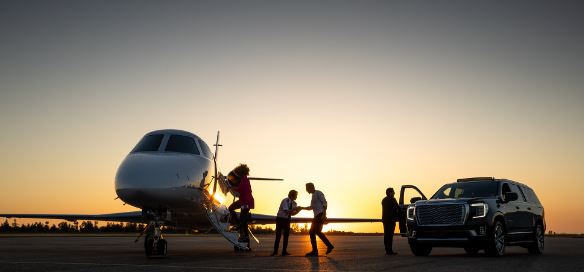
449,214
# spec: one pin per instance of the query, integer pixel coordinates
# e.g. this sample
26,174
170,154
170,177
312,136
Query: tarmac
213,253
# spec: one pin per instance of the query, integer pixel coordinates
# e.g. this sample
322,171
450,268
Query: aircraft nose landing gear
155,245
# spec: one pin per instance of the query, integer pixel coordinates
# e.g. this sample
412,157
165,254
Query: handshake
296,210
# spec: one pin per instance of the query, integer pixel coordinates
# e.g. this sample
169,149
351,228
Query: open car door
416,194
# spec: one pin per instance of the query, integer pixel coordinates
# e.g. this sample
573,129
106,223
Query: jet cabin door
415,194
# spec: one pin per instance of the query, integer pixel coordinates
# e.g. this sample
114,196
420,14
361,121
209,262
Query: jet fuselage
168,172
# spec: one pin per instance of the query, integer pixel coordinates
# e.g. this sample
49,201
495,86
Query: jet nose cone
141,175
160,171
153,178
141,171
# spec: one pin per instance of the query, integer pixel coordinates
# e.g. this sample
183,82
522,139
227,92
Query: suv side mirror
414,199
511,196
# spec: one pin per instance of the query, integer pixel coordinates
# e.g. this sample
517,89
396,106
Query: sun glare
218,196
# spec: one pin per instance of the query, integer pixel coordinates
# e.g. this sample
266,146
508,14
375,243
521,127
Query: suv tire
496,243
538,240
420,250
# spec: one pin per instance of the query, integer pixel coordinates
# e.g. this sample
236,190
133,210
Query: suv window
530,195
182,144
148,143
520,194
508,188
467,189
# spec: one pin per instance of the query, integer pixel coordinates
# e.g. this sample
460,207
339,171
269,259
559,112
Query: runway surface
213,253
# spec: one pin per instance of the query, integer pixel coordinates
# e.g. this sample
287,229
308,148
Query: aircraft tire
149,246
161,247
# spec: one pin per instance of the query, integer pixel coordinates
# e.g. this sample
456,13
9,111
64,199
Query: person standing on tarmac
288,208
390,215
318,205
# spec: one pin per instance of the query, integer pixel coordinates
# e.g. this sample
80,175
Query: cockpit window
182,144
149,143
205,149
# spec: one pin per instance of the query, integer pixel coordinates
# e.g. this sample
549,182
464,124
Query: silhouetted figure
287,208
234,181
318,205
245,201
390,215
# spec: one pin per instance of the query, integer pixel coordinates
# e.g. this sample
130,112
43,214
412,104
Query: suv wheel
420,250
538,244
496,244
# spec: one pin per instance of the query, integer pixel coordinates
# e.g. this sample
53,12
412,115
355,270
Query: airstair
216,214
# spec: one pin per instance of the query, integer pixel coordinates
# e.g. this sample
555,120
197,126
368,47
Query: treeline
114,227
70,227
294,228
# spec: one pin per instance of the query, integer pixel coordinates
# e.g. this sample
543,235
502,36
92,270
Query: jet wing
133,217
270,219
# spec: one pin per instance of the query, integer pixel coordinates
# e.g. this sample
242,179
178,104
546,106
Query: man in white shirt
318,205
287,208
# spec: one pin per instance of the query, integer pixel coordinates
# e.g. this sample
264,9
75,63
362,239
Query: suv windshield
468,189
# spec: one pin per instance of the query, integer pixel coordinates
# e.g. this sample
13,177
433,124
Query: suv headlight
411,212
479,210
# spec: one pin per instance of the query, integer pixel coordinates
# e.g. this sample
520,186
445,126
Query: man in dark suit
390,215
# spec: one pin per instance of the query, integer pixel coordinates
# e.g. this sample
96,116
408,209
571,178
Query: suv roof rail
475,179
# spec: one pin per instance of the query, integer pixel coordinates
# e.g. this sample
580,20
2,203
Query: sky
353,96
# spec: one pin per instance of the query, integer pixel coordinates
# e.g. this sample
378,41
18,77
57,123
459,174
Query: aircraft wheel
161,247
149,246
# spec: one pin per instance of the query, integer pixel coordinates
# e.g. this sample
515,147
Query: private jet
172,177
